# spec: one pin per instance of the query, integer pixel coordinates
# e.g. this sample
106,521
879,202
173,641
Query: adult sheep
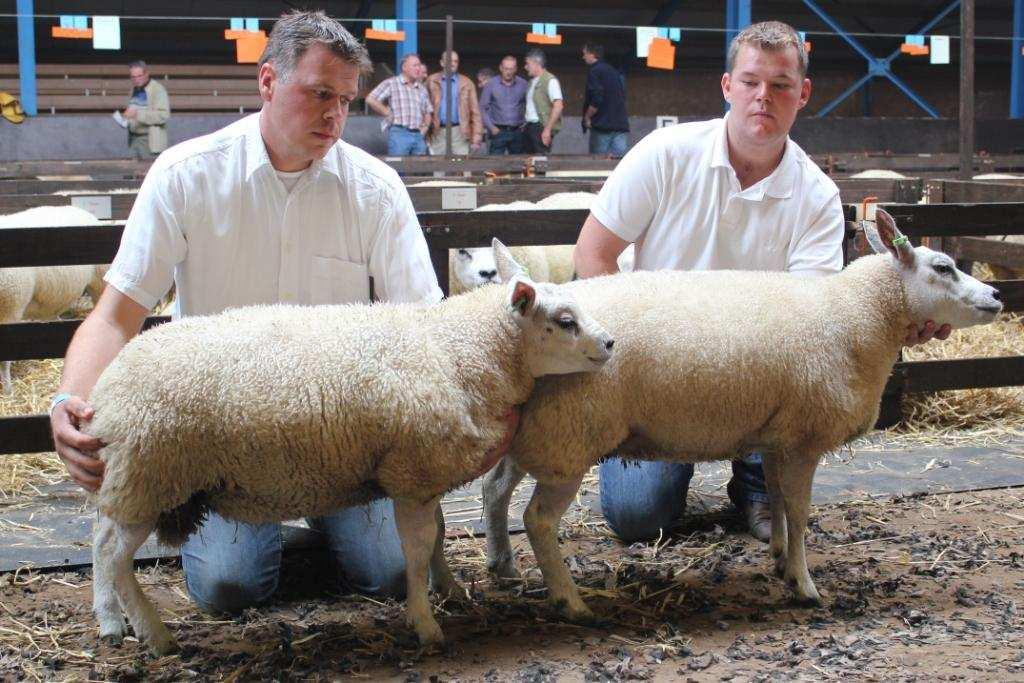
711,365
269,413
41,292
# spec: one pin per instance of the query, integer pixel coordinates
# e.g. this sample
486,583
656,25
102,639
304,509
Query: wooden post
966,89
448,41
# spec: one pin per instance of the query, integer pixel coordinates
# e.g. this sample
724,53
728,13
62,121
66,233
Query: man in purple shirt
503,105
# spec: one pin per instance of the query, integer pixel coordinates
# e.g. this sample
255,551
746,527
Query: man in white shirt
732,193
544,105
272,208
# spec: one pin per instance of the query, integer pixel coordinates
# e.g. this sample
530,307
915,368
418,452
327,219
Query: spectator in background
543,105
467,127
604,105
503,106
482,76
407,110
147,113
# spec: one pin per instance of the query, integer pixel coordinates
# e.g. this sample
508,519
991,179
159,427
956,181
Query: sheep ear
891,239
523,296
507,267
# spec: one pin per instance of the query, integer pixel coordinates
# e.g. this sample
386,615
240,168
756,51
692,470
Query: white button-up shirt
677,197
213,216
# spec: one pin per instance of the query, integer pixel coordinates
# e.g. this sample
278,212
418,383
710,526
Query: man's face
532,67
455,62
411,68
307,113
139,76
421,72
766,91
508,69
588,57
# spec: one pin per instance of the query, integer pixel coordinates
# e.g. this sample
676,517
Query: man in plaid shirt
407,108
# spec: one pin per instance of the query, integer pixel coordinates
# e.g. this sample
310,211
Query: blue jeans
232,565
404,141
638,499
507,141
611,142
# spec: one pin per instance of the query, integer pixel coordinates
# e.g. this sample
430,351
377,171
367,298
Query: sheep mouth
994,310
598,360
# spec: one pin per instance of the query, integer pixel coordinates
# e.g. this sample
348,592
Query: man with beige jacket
466,120
147,113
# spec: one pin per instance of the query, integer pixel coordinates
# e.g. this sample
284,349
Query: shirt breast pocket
336,281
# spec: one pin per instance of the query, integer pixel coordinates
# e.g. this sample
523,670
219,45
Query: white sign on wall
456,198
663,121
98,205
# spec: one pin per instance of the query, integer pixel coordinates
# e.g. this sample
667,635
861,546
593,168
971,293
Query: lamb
712,365
269,413
41,292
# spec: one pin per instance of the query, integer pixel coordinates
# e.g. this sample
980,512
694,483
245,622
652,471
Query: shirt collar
256,155
405,81
778,184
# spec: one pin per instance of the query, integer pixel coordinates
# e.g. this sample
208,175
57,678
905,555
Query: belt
398,125
504,127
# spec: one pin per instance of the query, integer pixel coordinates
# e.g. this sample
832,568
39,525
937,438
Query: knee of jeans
642,525
229,590
386,580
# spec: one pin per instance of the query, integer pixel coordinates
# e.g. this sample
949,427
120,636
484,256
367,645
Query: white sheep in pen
275,412
42,292
712,365
470,268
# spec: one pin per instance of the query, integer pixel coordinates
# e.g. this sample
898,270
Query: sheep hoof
453,591
163,644
575,613
505,569
113,638
430,634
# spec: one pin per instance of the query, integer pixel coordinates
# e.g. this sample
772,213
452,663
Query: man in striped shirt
403,101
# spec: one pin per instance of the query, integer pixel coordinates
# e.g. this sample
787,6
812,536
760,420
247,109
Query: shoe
758,514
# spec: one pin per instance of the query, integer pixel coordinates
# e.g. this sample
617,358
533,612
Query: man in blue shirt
604,106
503,105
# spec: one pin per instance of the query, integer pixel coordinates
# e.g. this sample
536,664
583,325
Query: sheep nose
996,295
609,344
488,274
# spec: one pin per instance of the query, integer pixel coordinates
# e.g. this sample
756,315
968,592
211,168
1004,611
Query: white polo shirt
677,197
213,215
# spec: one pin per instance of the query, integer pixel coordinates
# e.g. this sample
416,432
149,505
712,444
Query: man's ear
266,80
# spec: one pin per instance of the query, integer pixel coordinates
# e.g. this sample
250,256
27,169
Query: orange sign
661,54
913,50
375,34
249,48
58,32
544,39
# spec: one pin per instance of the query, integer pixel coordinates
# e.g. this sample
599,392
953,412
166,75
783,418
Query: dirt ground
922,588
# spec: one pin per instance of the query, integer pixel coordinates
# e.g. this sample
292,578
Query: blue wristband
57,400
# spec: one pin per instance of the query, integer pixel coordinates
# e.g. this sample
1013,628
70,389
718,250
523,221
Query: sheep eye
567,323
943,269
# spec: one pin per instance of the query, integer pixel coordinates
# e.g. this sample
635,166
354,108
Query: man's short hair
297,31
485,72
772,36
537,55
138,64
595,49
406,57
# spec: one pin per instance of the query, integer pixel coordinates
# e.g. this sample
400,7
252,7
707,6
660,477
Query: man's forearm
93,347
376,106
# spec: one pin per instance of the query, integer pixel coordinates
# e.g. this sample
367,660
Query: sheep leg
120,548
777,546
417,528
796,491
5,378
441,578
104,596
498,486
547,505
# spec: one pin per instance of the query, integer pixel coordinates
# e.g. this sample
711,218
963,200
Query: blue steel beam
405,11
737,17
878,66
27,57
1017,62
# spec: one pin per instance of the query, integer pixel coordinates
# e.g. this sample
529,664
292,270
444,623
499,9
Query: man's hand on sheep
75,448
920,336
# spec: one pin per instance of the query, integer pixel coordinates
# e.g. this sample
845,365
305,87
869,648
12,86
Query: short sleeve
399,259
630,197
153,242
818,249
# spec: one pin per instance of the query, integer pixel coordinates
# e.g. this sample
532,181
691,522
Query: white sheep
879,173
712,365
470,268
269,413
41,292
